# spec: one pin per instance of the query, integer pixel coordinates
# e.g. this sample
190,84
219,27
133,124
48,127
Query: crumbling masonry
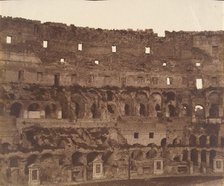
78,103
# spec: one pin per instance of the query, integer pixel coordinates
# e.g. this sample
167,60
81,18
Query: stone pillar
207,159
85,168
199,158
207,140
219,141
197,141
59,114
188,155
25,114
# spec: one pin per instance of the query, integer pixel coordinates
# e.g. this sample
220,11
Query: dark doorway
127,110
15,109
142,110
214,111
57,79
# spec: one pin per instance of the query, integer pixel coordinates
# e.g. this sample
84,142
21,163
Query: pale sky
159,15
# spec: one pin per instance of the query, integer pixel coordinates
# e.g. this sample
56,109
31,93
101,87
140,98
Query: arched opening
2,109
203,156
5,148
192,140
163,142
214,101
212,156
158,110
172,110
213,141
199,111
77,159
94,110
16,109
194,156
202,140
137,155
170,96
51,111
142,110
185,155
13,162
152,153
214,110
186,110
177,158
176,142
222,141
127,110
30,160
110,96
34,107
91,156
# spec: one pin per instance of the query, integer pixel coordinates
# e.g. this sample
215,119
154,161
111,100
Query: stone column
189,155
199,158
197,141
85,167
207,140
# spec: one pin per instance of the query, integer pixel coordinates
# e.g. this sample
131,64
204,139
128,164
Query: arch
222,141
163,142
34,107
213,141
172,110
127,109
170,96
46,156
30,160
202,140
2,109
186,109
137,155
91,156
142,110
177,158
192,140
77,159
152,153
51,111
13,161
214,110
176,142
110,95
194,156
78,106
199,111
15,109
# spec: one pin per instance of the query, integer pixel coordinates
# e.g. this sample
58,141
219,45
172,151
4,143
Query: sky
159,15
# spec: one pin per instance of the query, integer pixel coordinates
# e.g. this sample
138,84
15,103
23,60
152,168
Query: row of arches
17,109
205,140
197,156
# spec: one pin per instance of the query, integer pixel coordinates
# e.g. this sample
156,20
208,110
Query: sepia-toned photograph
111,93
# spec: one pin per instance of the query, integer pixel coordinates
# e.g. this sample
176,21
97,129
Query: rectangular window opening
114,49
56,79
197,64
62,60
8,39
199,83
151,135
80,47
21,75
45,43
168,81
136,135
147,50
